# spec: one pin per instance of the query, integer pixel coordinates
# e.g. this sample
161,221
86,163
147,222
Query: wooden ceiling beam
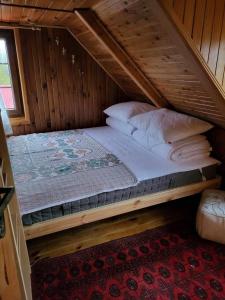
94,25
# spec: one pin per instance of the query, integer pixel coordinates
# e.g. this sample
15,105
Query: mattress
63,166
143,188
152,174
143,163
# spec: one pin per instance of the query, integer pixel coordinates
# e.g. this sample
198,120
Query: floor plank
72,240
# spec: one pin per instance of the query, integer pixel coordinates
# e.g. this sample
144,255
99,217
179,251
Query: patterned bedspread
58,167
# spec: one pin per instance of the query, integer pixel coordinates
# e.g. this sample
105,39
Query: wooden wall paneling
39,110
123,59
5,11
134,23
207,28
61,80
53,76
179,7
163,56
97,50
221,96
220,65
198,22
104,59
63,95
44,12
60,4
216,35
207,31
189,11
48,85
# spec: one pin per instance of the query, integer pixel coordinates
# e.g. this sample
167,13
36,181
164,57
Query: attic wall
204,21
63,95
105,59
145,33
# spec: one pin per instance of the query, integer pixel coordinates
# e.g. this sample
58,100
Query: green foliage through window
4,75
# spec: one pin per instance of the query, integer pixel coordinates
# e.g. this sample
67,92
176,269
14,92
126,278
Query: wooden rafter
94,25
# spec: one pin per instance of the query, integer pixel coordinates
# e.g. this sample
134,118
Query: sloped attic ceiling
137,43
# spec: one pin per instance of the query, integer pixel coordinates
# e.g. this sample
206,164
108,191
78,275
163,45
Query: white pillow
169,126
141,137
124,111
126,128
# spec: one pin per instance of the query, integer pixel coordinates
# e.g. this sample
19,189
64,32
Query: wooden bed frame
118,208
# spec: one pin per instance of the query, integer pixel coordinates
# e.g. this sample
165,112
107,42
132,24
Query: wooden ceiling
137,44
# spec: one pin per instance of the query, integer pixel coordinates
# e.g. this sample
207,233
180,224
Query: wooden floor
89,235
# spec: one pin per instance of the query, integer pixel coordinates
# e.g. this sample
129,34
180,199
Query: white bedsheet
143,163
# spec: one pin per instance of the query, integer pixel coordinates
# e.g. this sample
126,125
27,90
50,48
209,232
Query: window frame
8,36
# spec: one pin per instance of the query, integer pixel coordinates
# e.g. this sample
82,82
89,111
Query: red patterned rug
169,262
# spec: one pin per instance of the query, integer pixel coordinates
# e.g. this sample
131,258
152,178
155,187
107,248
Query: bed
69,178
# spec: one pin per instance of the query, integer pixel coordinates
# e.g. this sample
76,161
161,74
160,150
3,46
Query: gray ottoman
210,222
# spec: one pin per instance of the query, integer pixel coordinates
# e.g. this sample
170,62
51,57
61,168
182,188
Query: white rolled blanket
194,147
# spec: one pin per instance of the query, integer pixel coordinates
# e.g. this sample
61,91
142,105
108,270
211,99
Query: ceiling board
139,28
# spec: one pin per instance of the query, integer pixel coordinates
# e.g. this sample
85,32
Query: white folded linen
195,147
125,128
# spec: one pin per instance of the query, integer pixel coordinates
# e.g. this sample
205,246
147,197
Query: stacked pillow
120,114
172,135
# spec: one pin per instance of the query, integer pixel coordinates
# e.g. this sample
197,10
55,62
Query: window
10,90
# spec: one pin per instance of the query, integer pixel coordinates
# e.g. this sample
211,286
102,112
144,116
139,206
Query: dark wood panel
216,137
63,94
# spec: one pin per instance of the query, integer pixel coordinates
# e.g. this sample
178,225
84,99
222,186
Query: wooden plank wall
63,94
146,34
204,21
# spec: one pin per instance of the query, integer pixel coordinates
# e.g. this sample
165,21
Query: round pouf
210,222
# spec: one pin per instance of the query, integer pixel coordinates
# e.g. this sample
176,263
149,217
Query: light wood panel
89,235
118,208
205,24
146,32
23,15
62,94
101,55
92,23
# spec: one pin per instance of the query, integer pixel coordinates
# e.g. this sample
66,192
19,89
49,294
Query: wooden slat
221,54
179,7
207,28
189,15
198,22
95,26
216,34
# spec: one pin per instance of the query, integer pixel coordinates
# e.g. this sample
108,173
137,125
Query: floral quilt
58,167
